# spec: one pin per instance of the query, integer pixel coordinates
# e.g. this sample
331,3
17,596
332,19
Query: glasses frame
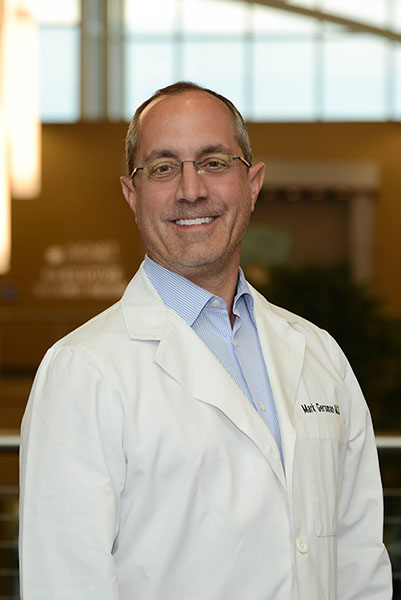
196,164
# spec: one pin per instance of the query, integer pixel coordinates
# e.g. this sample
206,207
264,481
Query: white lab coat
146,474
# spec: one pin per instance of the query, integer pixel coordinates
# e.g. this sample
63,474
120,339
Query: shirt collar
185,297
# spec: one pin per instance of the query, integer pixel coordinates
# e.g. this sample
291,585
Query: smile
198,221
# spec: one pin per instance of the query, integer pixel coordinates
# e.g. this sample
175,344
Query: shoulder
112,324
94,332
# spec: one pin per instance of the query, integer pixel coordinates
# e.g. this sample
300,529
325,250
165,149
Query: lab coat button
301,545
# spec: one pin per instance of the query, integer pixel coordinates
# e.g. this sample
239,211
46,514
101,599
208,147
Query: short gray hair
132,138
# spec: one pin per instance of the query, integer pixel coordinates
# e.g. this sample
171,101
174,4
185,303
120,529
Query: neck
218,279
222,284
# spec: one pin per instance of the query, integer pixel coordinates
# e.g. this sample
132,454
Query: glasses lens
165,169
217,163
161,169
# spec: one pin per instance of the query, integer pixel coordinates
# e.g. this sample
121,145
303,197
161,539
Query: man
194,442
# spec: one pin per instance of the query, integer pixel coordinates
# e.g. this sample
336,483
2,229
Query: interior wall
81,201
379,142
318,230
80,210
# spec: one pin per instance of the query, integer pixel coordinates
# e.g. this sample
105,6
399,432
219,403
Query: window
354,71
274,64
59,36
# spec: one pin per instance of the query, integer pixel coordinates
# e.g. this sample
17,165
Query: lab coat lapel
283,348
183,355
186,358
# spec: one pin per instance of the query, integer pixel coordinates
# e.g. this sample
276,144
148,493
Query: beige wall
380,142
81,199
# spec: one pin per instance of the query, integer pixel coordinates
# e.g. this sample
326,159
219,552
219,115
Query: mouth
197,221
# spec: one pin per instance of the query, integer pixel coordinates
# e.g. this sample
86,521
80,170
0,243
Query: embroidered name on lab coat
322,408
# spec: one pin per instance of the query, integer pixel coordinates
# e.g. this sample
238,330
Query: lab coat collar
143,311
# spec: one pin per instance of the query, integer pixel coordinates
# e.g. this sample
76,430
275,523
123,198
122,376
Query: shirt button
215,303
235,342
301,545
262,405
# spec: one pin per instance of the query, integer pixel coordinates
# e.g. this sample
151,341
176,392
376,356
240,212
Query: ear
129,192
256,177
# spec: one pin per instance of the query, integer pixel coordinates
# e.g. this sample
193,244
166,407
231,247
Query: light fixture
5,203
20,130
23,102
5,208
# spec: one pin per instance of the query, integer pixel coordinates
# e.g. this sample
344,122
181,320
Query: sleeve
364,570
72,472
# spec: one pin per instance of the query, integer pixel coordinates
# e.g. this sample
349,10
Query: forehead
186,121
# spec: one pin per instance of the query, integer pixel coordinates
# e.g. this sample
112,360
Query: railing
9,543
390,459
390,455
9,442
392,535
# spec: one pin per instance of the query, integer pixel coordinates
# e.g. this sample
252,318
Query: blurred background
319,84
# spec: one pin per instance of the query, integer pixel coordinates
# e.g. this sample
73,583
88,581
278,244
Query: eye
215,163
161,169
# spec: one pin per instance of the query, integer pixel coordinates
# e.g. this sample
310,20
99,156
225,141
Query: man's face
186,126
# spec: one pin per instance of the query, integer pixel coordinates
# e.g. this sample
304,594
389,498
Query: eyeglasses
168,169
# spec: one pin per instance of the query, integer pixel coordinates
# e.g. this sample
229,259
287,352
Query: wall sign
81,269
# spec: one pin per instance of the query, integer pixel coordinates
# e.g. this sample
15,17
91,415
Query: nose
191,186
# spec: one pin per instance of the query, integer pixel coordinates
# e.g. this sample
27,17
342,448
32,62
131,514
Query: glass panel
270,20
304,3
216,65
148,67
67,12
151,16
397,15
283,80
354,78
397,83
331,30
213,16
367,11
60,74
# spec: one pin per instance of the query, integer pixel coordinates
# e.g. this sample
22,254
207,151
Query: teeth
198,221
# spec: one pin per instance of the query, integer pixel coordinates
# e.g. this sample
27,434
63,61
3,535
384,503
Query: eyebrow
168,153
161,153
214,148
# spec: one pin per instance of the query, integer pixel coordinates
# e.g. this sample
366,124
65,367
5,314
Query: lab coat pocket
322,444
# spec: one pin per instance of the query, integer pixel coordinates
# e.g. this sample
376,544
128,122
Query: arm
72,473
364,571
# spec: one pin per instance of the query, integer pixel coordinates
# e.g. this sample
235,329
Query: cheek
245,202
141,215
146,206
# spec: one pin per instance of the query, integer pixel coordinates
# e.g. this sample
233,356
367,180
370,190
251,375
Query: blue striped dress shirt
238,348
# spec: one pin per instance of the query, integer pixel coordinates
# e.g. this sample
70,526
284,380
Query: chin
205,263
